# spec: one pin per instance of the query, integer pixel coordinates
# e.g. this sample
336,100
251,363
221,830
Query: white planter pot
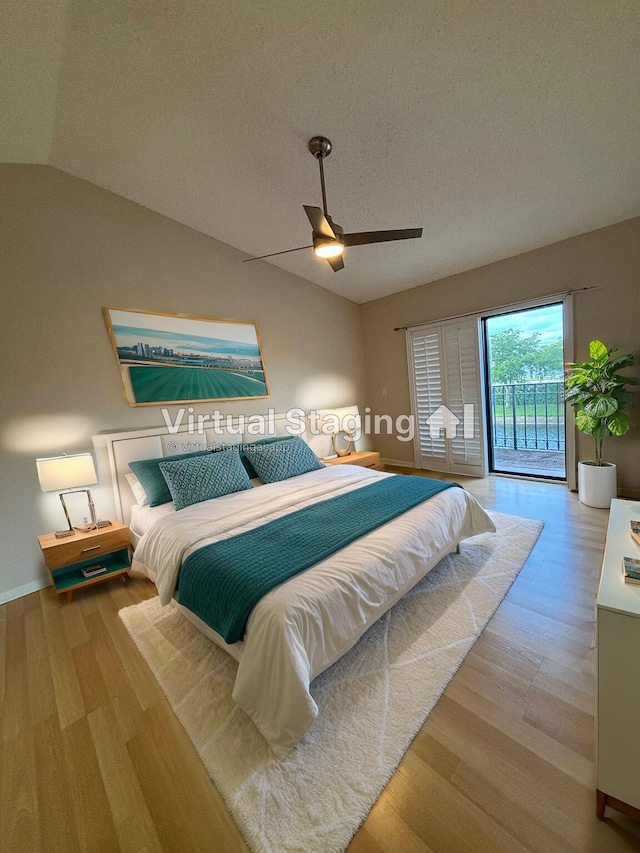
597,484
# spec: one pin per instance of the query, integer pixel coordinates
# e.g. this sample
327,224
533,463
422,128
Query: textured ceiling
497,126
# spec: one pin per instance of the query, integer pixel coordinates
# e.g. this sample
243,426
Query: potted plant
598,395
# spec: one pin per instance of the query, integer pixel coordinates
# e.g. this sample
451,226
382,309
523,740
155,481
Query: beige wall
68,248
608,259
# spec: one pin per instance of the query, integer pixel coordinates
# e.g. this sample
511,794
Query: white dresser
618,670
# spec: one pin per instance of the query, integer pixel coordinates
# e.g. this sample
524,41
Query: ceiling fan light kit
327,248
328,238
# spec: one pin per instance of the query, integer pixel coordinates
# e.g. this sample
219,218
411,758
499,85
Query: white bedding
303,626
142,517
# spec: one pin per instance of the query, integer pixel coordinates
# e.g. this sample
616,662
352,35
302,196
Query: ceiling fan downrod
321,147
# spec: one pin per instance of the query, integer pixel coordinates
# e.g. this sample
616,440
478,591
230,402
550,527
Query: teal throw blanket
222,582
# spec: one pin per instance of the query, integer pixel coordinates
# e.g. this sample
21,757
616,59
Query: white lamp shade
346,419
66,472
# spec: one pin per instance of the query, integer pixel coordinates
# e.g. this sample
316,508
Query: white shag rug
372,702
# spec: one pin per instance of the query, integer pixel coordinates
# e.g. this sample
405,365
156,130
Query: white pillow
136,487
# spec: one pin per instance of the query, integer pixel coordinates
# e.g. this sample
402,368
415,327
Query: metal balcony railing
528,415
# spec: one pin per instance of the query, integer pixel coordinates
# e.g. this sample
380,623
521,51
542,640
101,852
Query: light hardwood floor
92,757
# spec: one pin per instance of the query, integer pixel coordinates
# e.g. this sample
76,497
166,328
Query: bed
306,623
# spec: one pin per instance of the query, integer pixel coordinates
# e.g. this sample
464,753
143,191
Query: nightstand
363,458
65,558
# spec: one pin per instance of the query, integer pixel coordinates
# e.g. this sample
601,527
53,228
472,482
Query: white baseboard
19,591
398,463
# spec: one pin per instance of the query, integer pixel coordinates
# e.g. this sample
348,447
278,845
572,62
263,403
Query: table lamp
342,425
70,473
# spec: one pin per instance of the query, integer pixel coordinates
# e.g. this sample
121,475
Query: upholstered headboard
127,446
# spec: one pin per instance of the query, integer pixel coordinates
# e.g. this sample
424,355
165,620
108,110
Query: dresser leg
603,800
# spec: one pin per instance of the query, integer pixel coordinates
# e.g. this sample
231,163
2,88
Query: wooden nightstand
65,558
363,458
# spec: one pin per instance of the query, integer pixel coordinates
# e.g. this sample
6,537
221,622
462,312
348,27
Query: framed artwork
177,358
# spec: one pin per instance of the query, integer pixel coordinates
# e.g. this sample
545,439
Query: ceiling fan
329,239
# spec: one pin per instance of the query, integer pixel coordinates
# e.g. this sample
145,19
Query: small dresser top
613,592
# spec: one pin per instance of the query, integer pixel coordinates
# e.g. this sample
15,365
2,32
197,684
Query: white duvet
303,626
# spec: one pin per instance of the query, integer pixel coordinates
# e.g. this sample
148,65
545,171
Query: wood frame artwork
179,358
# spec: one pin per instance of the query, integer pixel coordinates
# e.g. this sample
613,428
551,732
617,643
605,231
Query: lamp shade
66,472
345,419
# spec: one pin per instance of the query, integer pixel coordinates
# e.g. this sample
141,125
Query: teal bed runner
223,581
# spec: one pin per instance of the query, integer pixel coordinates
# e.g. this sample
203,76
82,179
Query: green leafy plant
598,394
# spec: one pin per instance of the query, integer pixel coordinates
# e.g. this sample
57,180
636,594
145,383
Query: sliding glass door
525,392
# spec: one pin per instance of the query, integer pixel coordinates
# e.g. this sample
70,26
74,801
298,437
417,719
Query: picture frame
166,359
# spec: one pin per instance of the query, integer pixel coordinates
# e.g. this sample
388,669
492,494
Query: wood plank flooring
93,759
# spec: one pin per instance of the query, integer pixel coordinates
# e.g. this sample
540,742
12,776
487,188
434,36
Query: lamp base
93,525
60,534
342,442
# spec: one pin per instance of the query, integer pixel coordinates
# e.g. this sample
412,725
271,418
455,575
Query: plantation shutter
428,396
447,397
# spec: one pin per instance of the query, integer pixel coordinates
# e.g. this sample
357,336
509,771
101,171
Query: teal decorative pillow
251,471
191,481
151,479
282,459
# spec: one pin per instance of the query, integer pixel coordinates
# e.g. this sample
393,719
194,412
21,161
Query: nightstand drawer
86,547
362,458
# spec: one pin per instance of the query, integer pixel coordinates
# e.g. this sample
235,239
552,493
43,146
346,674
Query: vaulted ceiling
497,126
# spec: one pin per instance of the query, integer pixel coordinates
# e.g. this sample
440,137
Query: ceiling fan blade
273,254
361,238
319,222
336,264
